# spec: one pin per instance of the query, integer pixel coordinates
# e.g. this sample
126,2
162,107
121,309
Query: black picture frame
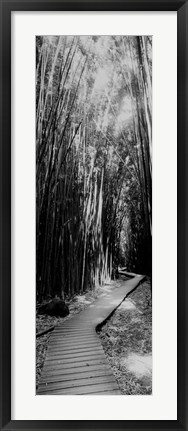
6,7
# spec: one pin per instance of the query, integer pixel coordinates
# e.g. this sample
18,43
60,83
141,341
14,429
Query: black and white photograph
93,101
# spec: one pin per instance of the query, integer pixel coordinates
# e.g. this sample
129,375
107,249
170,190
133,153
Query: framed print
93,215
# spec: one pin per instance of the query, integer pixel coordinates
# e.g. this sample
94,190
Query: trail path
75,362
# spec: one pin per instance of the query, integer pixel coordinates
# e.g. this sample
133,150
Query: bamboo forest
93,215
93,160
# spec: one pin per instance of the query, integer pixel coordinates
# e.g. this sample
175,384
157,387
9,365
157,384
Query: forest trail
75,362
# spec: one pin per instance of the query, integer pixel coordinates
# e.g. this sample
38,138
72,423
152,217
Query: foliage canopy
93,159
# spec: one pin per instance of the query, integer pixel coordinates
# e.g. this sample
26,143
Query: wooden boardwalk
75,362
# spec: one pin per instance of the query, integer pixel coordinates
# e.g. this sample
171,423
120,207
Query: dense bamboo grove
93,160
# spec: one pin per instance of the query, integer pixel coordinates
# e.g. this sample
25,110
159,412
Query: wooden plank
76,383
73,340
74,370
82,347
79,381
75,376
70,360
62,348
84,363
86,351
126,274
71,343
68,340
56,340
75,357
67,345
85,390
80,330
78,323
78,338
73,349
73,331
51,356
107,392
73,334
83,326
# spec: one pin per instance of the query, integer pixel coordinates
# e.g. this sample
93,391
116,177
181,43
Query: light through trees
93,160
